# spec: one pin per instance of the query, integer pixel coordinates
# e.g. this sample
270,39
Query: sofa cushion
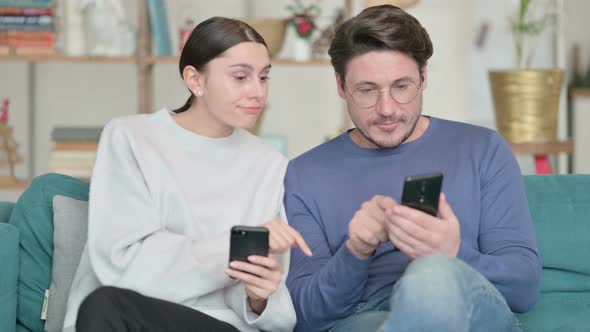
560,207
559,312
8,276
5,211
70,223
33,216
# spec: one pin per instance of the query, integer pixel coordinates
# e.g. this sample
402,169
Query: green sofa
560,206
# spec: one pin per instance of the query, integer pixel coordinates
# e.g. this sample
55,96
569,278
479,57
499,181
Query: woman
167,188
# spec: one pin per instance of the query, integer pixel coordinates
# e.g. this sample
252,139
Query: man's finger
385,202
444,208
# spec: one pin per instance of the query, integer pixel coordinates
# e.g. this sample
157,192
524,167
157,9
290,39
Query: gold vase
526,103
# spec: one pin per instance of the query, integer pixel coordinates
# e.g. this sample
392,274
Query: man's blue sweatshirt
325,186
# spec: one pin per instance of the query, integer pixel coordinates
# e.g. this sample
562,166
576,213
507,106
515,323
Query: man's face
388,123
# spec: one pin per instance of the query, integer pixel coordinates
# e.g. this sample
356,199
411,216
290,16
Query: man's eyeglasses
402,92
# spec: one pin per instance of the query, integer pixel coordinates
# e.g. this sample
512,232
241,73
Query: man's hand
366,230
418,234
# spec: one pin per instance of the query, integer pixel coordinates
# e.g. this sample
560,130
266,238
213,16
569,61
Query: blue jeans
436,293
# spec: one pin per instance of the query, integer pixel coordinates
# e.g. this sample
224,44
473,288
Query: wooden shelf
20,184
174,60
580,92
68,59
566,146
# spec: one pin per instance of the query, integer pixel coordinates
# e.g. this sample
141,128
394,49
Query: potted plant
526,101
303,21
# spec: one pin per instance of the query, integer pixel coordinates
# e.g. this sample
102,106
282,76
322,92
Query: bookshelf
143,61
67,59
285,62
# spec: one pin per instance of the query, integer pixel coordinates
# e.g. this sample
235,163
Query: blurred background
69,66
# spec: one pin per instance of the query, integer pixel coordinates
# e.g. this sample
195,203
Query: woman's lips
252,109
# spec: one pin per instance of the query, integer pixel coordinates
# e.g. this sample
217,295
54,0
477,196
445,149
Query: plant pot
301,49
526,103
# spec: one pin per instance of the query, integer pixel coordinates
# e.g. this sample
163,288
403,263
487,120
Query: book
26,3
26,22
162,44
33,50
76,134
75,146
26,11
4,49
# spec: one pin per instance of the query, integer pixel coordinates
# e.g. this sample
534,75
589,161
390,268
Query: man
381,265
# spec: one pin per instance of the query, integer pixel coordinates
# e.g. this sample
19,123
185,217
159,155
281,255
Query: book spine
26,11
159,27
26,3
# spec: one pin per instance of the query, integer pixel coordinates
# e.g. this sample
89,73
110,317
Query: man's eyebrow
401,79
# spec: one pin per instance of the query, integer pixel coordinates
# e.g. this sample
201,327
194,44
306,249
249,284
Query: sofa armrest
8,278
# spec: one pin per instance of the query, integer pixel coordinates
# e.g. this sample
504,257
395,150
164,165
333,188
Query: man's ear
193,79
340,86
424,76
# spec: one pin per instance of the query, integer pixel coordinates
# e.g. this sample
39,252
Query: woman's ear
193,79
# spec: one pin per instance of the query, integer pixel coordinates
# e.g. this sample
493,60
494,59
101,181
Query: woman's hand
261,277
282,237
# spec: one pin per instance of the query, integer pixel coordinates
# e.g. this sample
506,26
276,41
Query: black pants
117,309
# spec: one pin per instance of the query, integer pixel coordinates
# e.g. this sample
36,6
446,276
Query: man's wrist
355,252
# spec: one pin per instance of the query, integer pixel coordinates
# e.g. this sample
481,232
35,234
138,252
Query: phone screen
246,241
422,192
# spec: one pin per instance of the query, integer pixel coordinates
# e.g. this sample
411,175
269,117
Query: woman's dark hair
211,38
379,28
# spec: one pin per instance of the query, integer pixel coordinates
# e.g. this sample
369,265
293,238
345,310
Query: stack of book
74,150
27,27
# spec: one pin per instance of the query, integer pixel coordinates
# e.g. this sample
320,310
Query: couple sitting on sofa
167,187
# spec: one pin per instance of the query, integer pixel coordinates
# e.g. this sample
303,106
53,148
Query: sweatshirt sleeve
128,243
508,254
327,286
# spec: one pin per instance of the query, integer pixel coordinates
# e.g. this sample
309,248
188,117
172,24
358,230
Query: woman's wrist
257,306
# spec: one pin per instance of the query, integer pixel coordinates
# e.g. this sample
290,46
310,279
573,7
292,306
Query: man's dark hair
380,28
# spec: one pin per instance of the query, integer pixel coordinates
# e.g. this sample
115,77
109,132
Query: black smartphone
246,241
422,192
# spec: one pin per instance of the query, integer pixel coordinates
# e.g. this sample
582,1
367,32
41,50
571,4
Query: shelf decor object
526,101
271,29
9,156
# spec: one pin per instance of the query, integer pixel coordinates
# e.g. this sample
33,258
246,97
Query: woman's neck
200,121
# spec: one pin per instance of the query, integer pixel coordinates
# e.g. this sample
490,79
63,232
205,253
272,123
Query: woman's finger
299,241
250,279
279,238
269,262
257,270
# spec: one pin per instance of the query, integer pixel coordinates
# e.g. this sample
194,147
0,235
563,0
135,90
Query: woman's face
235,85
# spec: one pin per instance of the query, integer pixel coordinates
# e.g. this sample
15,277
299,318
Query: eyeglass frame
418,87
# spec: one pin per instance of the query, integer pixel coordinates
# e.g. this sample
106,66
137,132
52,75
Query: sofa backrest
33,216
560,207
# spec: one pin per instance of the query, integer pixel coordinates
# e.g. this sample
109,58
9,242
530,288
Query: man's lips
388,126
